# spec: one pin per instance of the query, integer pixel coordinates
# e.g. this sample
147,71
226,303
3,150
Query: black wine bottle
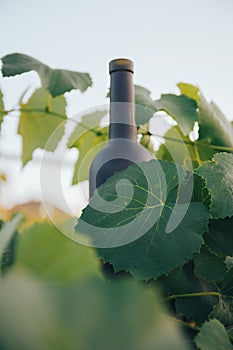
122,149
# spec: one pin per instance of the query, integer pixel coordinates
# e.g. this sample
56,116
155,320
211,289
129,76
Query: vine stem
189,295
99,133
201,144
55,114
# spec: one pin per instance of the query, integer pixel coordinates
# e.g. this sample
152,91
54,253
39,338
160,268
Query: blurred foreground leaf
7,232
45,252
93,315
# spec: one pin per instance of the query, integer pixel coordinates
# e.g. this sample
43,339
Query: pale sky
169,41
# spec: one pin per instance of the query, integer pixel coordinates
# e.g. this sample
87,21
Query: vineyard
149,263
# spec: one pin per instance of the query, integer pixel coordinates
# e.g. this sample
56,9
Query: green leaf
208,266
57,81
42,123
214,127
182,108
200,192
219,238
189,90
46,253
219,182
145,107
89,139
91,315
146,199
213,335
179,149
7,232
223,311
184,281
27,318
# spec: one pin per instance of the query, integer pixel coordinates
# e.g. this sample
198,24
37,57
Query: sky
169,41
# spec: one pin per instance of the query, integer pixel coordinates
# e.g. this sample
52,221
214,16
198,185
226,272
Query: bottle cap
120,64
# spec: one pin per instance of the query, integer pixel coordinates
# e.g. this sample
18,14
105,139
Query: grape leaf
145,107
223,311
57,81
219,182
197,184
42,122
219,238
214,127
182,108
139,214
77,317
208,266
45,252
179,149
184,281
143,98
213,335
189,90
89,138
200,192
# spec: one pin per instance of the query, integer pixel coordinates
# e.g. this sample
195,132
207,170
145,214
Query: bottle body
122,149
116,156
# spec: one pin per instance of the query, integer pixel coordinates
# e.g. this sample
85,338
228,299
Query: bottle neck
122,108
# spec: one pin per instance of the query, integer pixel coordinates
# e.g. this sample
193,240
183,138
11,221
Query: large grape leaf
139,215
223,311
214,128
213,335
57,81
215,131
182,108
219,238
218,176
209,266
182,282
45,252
89,139
42,119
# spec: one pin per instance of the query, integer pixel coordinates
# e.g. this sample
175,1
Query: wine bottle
122,149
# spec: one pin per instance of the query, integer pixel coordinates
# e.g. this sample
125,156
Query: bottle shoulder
125,149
